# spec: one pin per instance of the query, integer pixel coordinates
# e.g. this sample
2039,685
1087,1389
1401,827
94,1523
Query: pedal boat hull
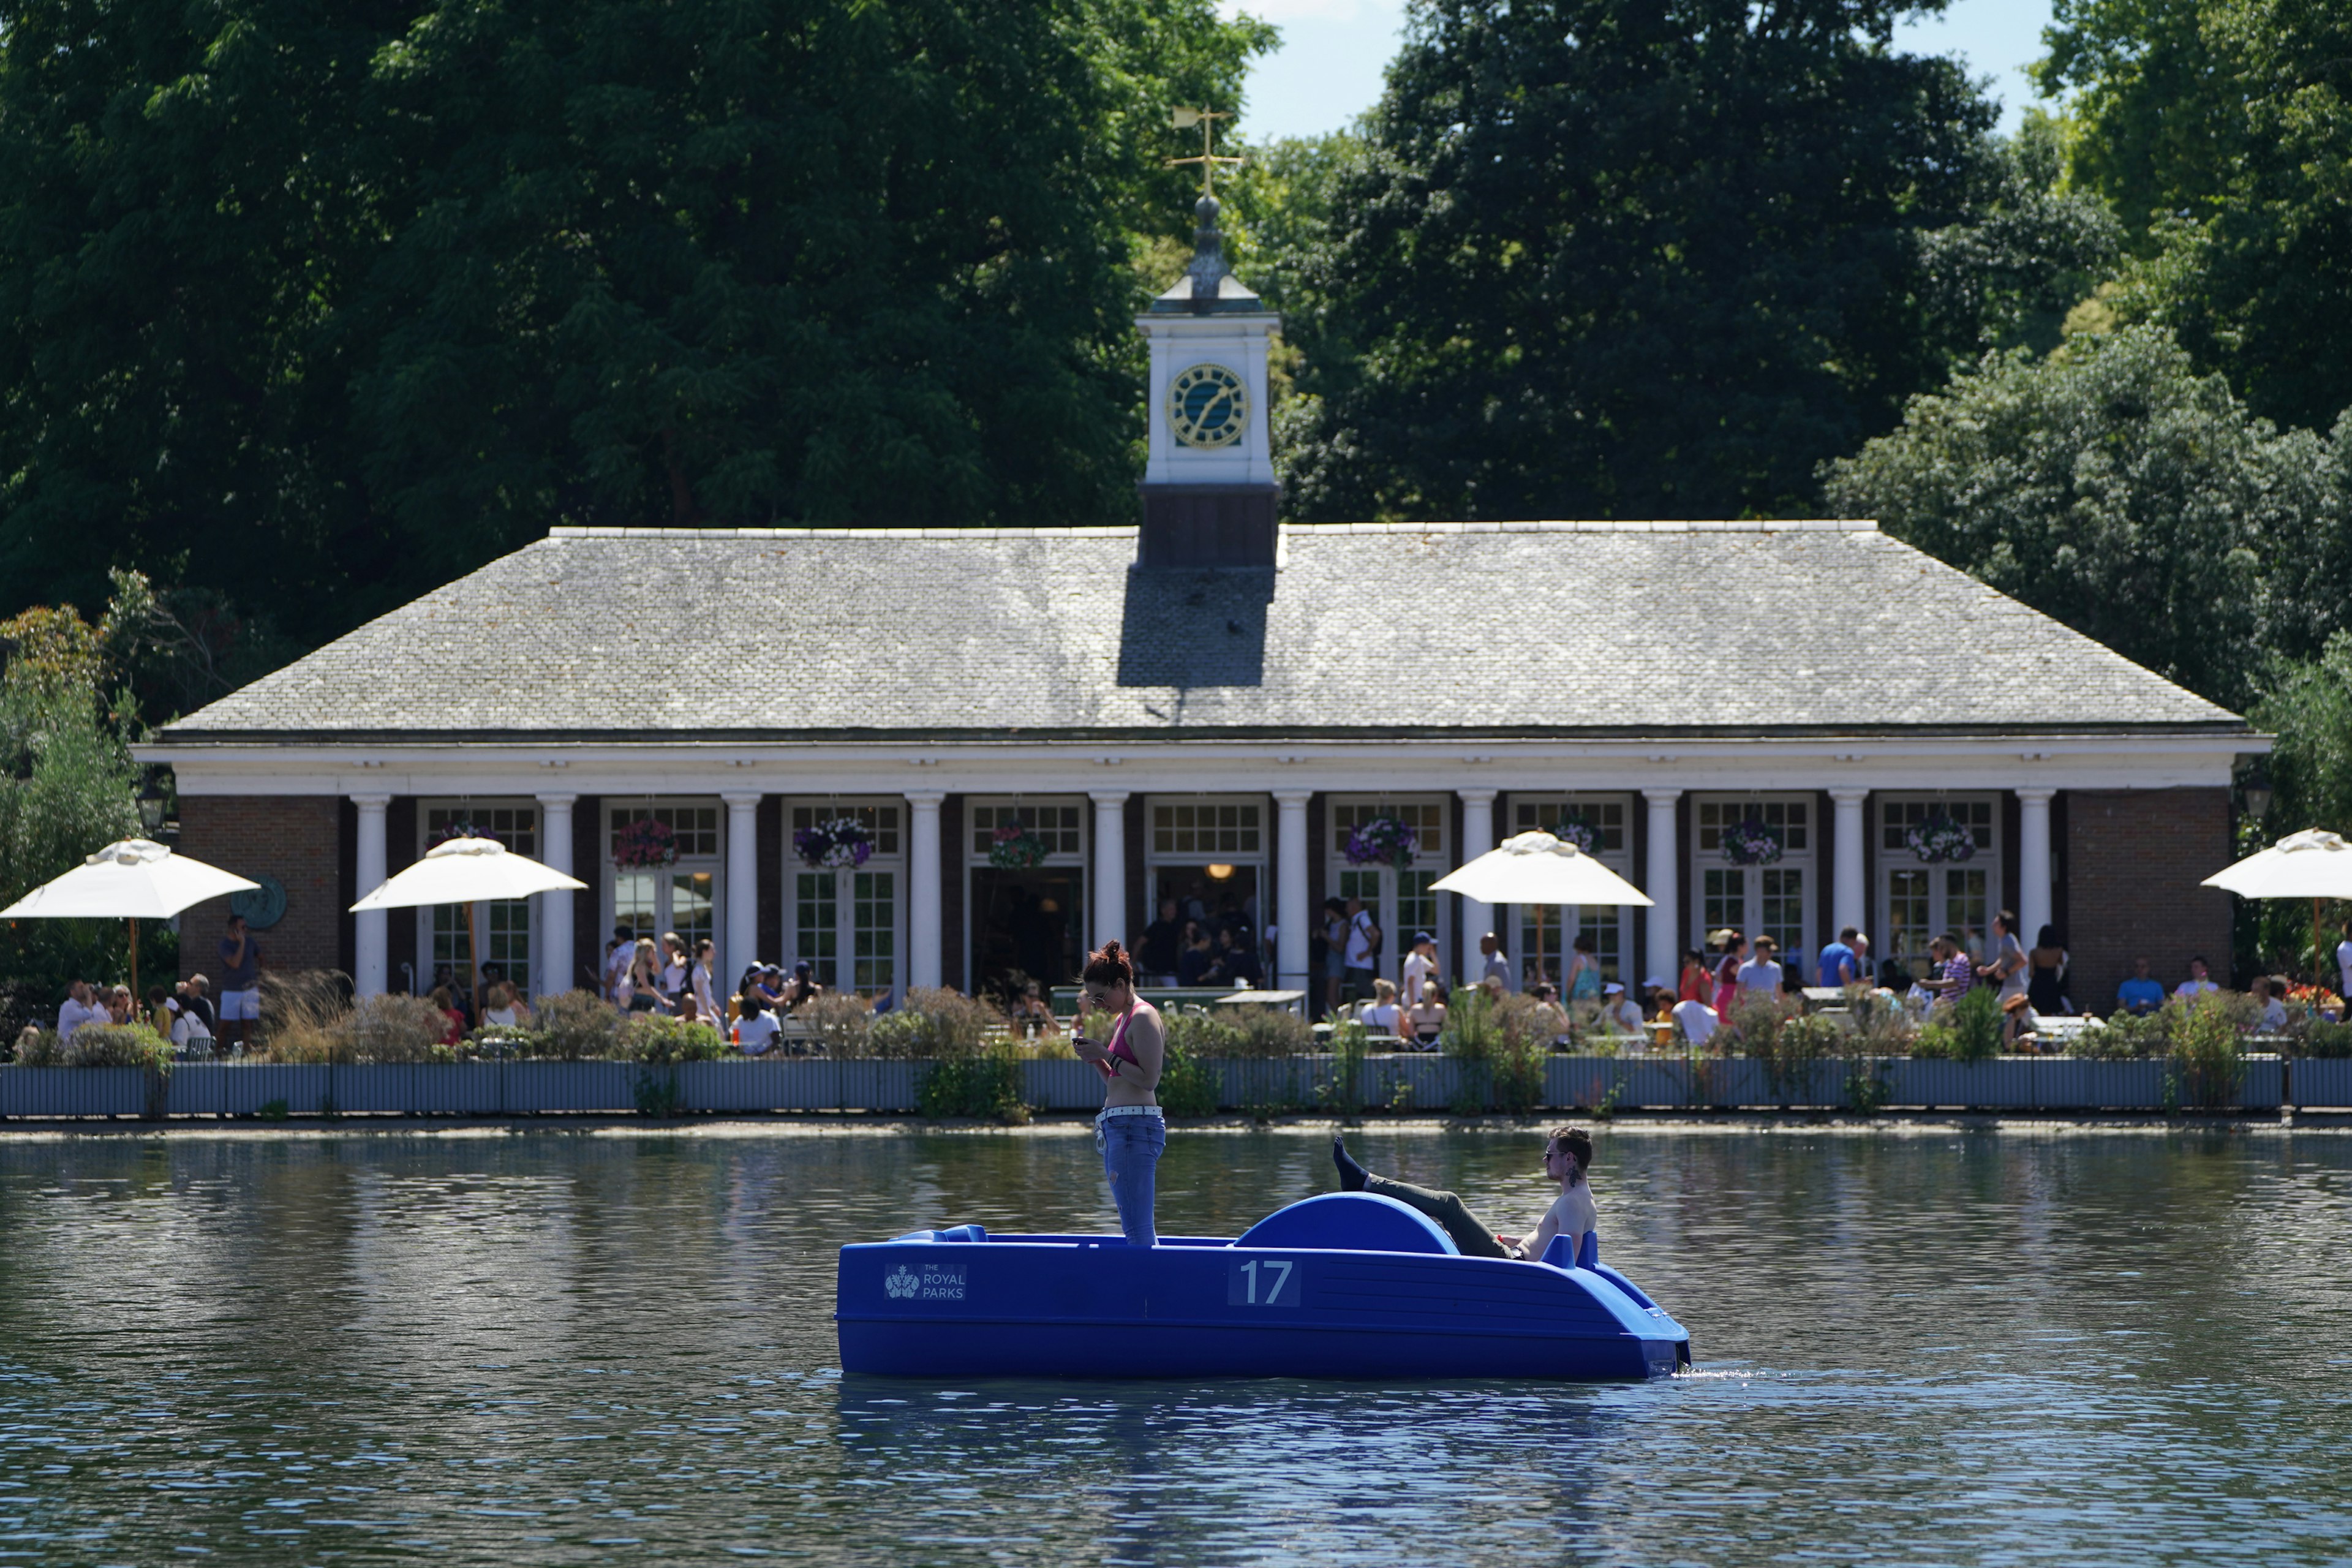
1341,1290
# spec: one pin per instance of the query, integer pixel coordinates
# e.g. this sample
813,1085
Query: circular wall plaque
262,907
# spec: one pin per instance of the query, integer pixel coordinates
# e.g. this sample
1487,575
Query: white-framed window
848,922
505,924
1400,898
683,897
1918,902
1208,855
1542,945
1775,899
1026,921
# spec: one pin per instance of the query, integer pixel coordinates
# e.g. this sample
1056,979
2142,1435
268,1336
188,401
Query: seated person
800,988
1196,964
505,1012
2200,980
1697,1021
1567,1154
1031,1015
454,1033
2266,997
1546,1000
1620,1014
2143,992
756,1030
2020,1027
1425,1019
1381,1015
1238,956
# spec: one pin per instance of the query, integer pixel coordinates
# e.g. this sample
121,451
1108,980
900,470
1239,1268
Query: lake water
1932,1347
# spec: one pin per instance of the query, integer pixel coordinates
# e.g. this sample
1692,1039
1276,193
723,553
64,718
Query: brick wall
2133,859
294,838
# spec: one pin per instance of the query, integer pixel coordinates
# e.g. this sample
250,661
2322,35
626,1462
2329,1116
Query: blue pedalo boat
1348,1285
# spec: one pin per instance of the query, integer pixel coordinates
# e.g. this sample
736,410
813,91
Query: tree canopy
2117,490
317,308
1657,260
2221,131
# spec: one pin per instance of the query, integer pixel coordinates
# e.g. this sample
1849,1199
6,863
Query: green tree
2117,490
1602,259
2221,132
67,787
317,308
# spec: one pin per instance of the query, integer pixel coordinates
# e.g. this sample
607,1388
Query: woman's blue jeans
1131,1150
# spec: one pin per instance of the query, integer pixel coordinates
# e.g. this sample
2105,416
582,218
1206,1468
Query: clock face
1207,406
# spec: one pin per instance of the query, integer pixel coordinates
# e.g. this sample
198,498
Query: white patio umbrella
132,879
2314,864
1540,869
468,871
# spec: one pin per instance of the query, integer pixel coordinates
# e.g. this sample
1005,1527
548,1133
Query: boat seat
1349,1222
959,1233
1587,1257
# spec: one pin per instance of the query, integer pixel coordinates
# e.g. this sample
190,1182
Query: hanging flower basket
1381,841
458,830
1751,842
834,845
1939,839
1577,831
647,841
1016,849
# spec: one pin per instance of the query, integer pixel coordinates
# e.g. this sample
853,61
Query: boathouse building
1045,732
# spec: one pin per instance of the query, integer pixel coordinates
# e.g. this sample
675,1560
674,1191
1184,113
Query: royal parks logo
931,1282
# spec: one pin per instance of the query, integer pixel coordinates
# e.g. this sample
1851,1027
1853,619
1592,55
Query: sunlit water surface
551,1348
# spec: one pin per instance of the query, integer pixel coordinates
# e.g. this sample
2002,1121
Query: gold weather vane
1184,119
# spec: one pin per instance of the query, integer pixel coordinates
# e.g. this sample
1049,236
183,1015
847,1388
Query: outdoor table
1293,1000
1824,998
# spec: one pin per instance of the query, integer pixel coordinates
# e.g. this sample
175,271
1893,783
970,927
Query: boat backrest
959,1233
1349,1222
1587,1257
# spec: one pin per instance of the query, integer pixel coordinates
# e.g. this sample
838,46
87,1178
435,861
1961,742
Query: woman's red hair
1109,965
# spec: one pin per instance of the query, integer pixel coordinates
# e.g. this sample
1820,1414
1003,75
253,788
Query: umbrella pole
474,961
2319,950
136,1004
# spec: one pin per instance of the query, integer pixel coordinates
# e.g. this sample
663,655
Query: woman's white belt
1110,1110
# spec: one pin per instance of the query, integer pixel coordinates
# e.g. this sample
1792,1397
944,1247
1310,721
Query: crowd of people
1189,945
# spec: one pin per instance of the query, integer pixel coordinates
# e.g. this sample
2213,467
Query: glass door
845,919
1918,900
1398,897
680,898
504,924
1597,825
1770,897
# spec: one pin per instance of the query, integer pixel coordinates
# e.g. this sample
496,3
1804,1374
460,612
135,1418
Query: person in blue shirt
1839,965
2143,992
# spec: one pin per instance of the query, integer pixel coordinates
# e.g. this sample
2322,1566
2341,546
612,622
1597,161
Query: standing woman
1697,983
1130,1131
2046,990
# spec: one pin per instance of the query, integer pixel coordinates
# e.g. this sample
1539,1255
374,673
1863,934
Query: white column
555,932
1849,892
371,958
1109,893
1477,916
1663,882
1290,913
923,888
2034,904
741,948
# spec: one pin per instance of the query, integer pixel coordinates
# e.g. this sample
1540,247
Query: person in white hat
1619,1011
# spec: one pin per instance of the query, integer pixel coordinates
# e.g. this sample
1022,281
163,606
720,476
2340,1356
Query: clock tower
1209,493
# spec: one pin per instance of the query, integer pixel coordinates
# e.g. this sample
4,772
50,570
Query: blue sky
1329,68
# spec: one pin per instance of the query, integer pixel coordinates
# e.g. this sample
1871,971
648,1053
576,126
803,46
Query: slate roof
1467,629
